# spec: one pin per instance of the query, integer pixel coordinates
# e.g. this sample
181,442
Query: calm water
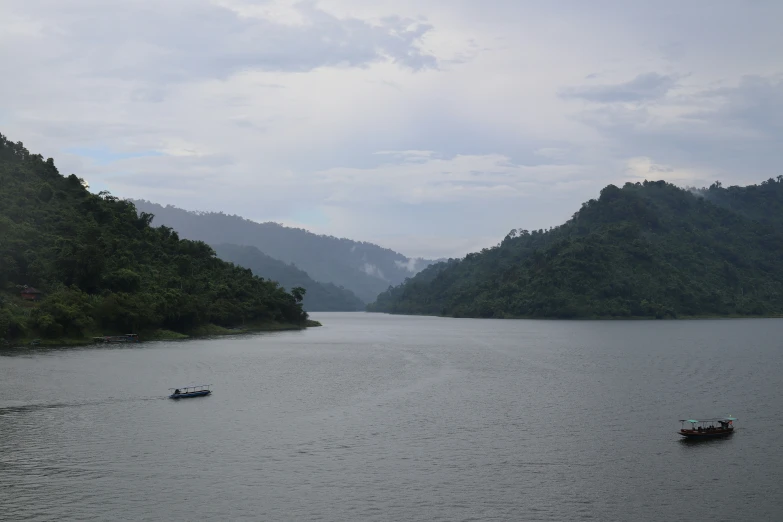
377,417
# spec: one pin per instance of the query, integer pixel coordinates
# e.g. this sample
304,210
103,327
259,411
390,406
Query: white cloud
462,178
554,153
409,265
370,269
644,168
648,86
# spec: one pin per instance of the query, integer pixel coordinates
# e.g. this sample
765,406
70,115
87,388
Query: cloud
104,156
553,153
460,178
370,269
429,126
731,131
177,40
407,155
409,265
644,168
755,103
644,87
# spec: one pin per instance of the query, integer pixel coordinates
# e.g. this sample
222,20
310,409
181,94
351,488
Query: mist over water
375,417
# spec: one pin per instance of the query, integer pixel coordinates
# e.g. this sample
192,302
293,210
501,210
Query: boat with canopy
707,428
185,392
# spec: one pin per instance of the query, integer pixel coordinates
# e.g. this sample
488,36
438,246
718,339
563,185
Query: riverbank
209,330
596,317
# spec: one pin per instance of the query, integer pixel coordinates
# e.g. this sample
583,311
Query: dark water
377,417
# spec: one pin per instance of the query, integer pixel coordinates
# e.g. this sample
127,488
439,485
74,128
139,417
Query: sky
432,127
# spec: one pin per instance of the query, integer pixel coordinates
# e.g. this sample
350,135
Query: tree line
102,267
647,249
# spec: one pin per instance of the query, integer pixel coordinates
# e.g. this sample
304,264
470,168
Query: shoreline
594,317
202,332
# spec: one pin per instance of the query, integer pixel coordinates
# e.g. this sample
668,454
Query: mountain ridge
647,250
319,297
364,268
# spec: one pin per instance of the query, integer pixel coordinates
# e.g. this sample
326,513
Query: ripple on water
395,418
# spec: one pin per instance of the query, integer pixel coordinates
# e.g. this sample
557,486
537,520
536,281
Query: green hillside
363,268
319,297
647,250
103,269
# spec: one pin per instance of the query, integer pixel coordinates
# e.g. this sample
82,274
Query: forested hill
102,269
363,268
319,297
647,250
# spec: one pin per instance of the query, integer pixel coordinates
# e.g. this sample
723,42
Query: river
378,417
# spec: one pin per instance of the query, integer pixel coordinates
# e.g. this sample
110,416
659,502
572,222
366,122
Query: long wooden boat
186,392
706,428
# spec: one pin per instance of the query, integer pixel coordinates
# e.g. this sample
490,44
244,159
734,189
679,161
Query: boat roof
190,386
714,419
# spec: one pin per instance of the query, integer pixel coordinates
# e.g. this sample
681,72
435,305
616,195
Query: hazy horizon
428,127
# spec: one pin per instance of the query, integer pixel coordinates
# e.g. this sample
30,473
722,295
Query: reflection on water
374,417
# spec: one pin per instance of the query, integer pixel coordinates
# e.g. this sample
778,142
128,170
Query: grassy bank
209,330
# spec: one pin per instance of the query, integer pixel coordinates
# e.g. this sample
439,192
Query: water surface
376,417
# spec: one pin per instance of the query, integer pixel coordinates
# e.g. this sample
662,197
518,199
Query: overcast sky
432,127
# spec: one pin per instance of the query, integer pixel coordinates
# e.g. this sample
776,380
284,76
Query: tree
298,293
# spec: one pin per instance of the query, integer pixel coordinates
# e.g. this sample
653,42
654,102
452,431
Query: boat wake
33,407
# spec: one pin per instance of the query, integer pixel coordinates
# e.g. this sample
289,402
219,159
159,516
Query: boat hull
693,434
189,395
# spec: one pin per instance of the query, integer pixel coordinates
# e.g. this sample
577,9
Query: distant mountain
363,268
645,250
319,297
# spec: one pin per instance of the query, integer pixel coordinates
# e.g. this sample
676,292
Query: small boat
186,392
706,428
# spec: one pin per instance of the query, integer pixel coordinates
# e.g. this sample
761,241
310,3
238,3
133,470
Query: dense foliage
647,250
363,268
319,297
103,269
